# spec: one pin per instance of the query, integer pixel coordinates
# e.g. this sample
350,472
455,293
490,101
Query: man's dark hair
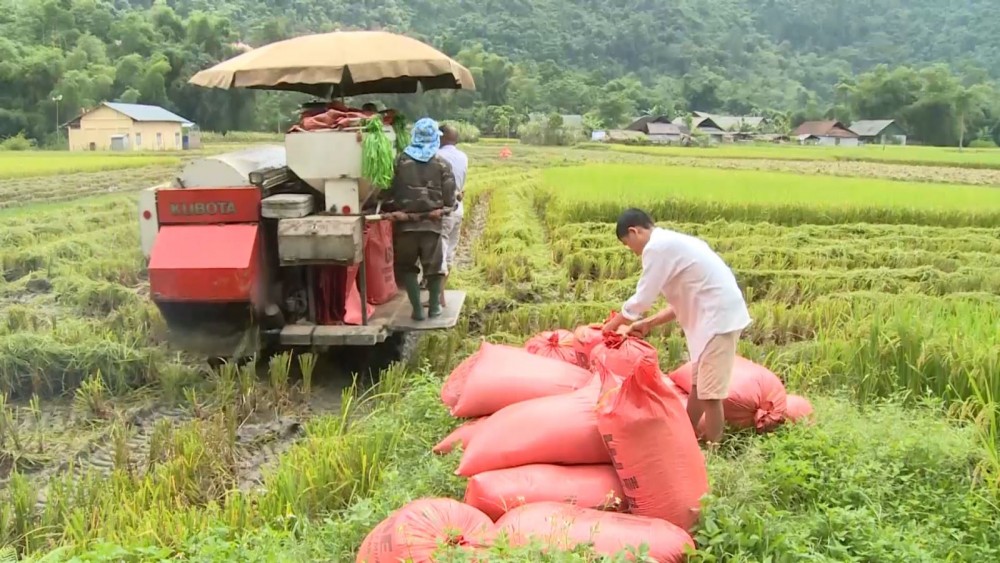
633,217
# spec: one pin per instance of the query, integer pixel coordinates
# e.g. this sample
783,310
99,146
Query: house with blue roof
131,127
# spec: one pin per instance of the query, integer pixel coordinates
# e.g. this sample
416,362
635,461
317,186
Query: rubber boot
434,284
412,286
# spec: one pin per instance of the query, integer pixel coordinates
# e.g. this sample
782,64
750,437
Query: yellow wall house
130,127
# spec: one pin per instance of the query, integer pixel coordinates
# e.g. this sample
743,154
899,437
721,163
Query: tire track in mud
259,442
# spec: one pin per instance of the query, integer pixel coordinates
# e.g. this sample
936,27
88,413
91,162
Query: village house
734,123
659,129
826,133
130,127
879,132
705,125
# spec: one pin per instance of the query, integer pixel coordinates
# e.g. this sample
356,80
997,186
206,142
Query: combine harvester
261,248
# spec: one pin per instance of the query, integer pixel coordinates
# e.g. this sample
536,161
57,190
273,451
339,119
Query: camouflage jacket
419,187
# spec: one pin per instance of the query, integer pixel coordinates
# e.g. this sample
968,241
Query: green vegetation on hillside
611,59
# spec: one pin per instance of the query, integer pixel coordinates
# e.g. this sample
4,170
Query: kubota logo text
209,208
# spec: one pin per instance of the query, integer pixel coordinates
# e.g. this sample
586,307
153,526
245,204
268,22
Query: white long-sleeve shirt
459,166
695,281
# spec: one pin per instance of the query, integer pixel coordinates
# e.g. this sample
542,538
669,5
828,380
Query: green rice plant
248,387
10,428
224,384
279,367
91,399
35,409
307,364
121,451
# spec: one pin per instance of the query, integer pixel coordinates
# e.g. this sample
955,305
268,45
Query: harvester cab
276,245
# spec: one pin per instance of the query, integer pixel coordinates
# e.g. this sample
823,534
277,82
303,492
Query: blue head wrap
425,140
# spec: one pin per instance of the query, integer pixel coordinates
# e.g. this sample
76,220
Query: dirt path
472,227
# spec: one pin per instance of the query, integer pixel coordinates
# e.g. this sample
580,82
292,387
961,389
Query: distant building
660,129
624,136
733,123
826,133
131,127
705,125
879,132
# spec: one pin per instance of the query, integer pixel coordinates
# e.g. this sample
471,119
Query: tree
968,106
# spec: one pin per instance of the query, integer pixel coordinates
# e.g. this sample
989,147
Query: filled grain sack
757,397
501,490
620,354
561,429
564,526
655,451
458,437
558,345
414,532
798,409
497,376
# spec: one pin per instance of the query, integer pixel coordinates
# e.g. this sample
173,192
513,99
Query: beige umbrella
343,63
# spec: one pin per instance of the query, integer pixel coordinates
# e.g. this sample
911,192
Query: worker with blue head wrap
421,194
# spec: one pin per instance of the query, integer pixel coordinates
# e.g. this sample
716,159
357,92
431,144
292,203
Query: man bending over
701,294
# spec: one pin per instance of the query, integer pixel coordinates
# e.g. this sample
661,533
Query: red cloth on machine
338,299
333,118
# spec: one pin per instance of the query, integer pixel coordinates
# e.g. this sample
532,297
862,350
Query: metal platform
388,318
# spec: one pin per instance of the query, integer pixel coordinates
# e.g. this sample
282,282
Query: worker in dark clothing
422,193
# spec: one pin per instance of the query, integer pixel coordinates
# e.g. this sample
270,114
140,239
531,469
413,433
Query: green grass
599,192
913,155
54,163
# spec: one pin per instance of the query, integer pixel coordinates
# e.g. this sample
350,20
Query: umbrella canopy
343,63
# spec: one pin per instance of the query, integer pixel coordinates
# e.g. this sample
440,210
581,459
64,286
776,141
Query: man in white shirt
702,295
452,223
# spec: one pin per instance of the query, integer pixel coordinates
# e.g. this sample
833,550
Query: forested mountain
610,58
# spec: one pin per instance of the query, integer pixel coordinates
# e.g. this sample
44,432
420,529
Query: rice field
53,163
909,155
876,298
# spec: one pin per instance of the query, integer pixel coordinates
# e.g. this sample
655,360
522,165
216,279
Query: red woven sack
561,429
621,354
757,397
797,409
416,531
590,486
459,436
380,272
563,527
497,376
654,449
588,336
352,306
555,344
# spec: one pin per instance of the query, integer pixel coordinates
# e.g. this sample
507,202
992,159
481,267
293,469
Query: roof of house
699,122
665,129
137,112
640,124
824,129
732,122
870,127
